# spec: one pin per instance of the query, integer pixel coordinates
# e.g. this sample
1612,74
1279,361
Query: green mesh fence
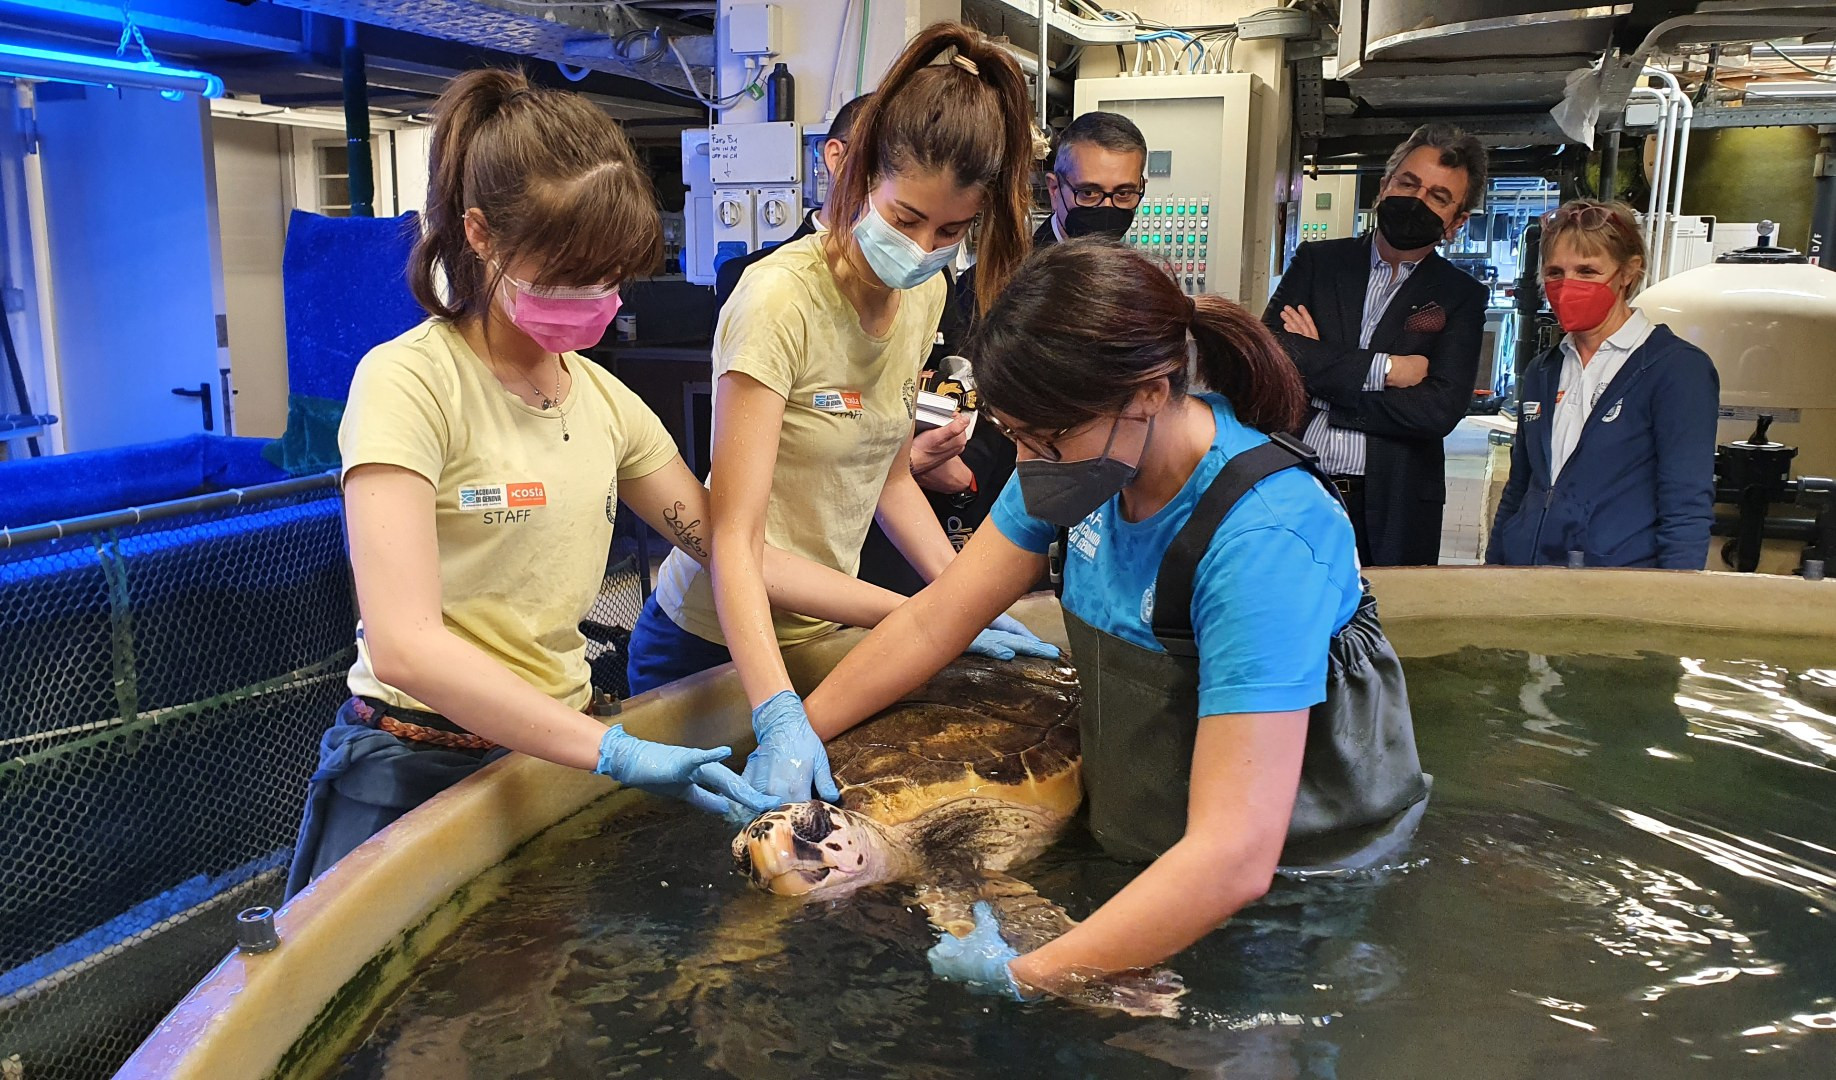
162,690
163,687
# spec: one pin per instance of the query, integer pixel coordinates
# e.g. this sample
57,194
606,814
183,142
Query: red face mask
1580,305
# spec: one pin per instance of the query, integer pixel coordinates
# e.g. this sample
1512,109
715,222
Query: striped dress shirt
1342,449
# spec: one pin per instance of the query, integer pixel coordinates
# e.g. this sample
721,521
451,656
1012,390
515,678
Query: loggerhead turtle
974,772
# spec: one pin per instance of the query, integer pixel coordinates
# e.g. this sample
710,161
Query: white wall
133,261
809,32
252,160
408,153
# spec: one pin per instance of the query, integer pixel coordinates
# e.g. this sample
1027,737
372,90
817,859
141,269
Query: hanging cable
1811,71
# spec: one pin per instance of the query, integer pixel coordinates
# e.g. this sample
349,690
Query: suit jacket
1439,312
727,274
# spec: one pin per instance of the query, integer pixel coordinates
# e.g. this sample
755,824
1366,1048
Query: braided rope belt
401,729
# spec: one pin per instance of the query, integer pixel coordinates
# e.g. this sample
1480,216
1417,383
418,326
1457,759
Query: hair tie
1192,313
966,64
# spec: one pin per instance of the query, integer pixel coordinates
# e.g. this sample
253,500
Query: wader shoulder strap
1179,567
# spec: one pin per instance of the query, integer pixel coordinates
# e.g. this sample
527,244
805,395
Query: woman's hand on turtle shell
1008,637
790,760
979,959
678,772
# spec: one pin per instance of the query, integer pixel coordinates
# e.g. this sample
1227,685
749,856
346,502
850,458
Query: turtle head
812,849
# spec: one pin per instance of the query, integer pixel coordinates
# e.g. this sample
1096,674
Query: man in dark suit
1386,334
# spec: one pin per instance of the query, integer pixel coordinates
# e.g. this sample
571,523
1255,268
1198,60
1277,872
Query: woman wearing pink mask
483,462
1614,460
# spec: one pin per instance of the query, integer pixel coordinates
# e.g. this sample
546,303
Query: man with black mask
1097,179
1386,334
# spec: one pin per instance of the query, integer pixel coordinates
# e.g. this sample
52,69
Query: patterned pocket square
1430,319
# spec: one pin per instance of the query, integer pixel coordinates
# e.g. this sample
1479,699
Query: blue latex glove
981,960
790,759
1006,638
679,772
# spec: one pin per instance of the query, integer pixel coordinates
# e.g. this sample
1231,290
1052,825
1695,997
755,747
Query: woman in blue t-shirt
1241,709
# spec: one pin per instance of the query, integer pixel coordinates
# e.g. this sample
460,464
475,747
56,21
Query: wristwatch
1388,362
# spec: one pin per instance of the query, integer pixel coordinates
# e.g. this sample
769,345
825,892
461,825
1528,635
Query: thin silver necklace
551,402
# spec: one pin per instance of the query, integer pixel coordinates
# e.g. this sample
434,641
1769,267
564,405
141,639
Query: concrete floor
1462,533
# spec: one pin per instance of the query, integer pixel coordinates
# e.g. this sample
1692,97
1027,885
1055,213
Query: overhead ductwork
618,39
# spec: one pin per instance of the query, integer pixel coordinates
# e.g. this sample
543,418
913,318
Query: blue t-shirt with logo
1279,580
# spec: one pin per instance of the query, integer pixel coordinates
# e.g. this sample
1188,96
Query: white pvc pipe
1656,207
1682,116
41,276
1682,155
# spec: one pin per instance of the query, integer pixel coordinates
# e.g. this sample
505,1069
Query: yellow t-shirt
848,400
524,519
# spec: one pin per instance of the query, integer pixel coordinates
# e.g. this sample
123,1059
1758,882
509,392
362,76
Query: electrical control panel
1175,231
1204,218
745,191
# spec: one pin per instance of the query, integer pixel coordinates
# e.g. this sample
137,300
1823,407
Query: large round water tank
1771,330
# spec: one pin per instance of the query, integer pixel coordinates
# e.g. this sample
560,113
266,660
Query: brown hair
556,181
1597,228
1457,150
971,120
1087,323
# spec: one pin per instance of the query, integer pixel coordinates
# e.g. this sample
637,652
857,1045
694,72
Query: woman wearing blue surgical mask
817,358
483,458
1241,708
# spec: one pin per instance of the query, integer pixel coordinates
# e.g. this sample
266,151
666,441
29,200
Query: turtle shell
1004,730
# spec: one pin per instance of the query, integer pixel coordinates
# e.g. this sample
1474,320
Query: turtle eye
742,860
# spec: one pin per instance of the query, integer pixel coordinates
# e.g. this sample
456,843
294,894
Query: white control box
752,30
757,155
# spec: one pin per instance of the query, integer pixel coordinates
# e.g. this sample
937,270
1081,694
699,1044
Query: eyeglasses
1126,197
1589,217
1048,448
1408,184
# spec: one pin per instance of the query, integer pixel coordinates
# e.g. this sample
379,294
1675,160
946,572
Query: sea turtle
974,772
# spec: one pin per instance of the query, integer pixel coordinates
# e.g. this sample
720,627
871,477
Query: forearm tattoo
685,531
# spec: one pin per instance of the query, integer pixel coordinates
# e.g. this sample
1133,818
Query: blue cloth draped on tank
365,780
346,287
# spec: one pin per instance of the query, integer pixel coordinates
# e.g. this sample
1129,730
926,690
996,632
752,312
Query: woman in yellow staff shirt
817,357
483,460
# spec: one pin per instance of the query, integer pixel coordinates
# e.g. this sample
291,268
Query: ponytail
968,117
1239,358
556,180
1087,323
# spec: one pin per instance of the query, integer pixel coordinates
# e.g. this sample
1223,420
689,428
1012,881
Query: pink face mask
562,319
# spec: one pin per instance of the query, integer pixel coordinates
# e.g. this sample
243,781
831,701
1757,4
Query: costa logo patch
528,493
836,401
502,496
1612,414
1533,410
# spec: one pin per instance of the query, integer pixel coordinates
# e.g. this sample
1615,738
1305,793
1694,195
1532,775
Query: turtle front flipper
1029,920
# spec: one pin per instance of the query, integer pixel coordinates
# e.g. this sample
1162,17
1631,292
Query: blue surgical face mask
896,259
